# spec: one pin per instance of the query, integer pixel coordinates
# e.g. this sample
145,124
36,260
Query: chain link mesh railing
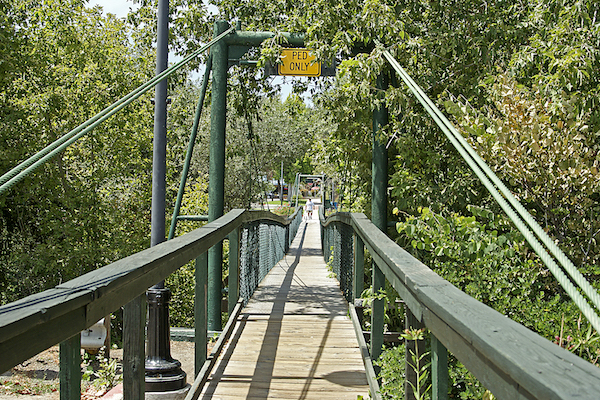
294,226
338,251
263,244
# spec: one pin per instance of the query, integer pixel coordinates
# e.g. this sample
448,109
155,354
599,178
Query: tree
256,146
541,130
88,206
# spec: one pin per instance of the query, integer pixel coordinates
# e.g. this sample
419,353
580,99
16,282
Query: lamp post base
175,379
163,373
172,395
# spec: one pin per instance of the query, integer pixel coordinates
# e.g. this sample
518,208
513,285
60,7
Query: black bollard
163,373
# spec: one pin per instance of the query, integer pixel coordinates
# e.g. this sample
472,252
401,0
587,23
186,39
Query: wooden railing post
200,311
324,241
439,370
70,368
234,268
359,267
134,356
288,237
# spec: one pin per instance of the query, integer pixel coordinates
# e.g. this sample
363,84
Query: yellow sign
298,62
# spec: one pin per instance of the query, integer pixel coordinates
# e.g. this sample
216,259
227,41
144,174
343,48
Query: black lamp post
163,373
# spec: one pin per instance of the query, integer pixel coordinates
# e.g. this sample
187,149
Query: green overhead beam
244,38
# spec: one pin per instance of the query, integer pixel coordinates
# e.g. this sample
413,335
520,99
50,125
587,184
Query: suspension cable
261,186
190,149
32,163
487,176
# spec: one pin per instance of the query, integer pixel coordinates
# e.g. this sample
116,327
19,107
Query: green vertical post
359,267
234,269
379,214
70,368
216,177
200,307
439,370
134,326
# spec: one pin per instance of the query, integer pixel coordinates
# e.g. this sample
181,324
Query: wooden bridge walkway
294,339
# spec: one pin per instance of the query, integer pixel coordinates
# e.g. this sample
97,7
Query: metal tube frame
190,149
216,179
379,215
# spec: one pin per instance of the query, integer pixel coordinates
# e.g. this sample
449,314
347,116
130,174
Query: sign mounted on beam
298,62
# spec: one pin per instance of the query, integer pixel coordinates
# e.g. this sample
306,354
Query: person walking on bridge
309,208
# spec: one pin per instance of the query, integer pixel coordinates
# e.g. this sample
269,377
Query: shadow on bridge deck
294,339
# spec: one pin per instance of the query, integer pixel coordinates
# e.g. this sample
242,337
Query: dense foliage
88,206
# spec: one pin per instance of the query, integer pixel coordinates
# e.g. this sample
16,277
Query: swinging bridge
293,331
297,338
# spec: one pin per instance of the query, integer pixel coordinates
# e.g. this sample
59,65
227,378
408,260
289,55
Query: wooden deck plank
294,339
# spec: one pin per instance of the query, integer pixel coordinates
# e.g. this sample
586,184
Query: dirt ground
37,378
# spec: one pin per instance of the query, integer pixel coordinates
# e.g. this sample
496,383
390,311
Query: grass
277,203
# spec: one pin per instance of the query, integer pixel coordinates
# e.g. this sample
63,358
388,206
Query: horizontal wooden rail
344,217
364,351
33,324
508,359
250,216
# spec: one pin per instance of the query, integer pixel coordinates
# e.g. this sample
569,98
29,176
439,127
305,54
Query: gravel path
37,378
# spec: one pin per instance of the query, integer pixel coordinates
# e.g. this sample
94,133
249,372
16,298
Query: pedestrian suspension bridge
293,331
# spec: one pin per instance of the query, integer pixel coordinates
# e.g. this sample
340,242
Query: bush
392,365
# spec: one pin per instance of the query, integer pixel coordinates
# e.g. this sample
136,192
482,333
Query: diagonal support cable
26,167
190,149
487,176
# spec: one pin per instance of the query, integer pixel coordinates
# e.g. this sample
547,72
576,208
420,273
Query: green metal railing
338,249
508,359
257,241
190,150
263,243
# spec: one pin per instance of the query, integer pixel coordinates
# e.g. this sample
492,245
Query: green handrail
508,359
28,326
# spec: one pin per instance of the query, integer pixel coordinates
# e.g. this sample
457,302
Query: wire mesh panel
249,260
263,244
346,257
263,251
338,251
294,226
